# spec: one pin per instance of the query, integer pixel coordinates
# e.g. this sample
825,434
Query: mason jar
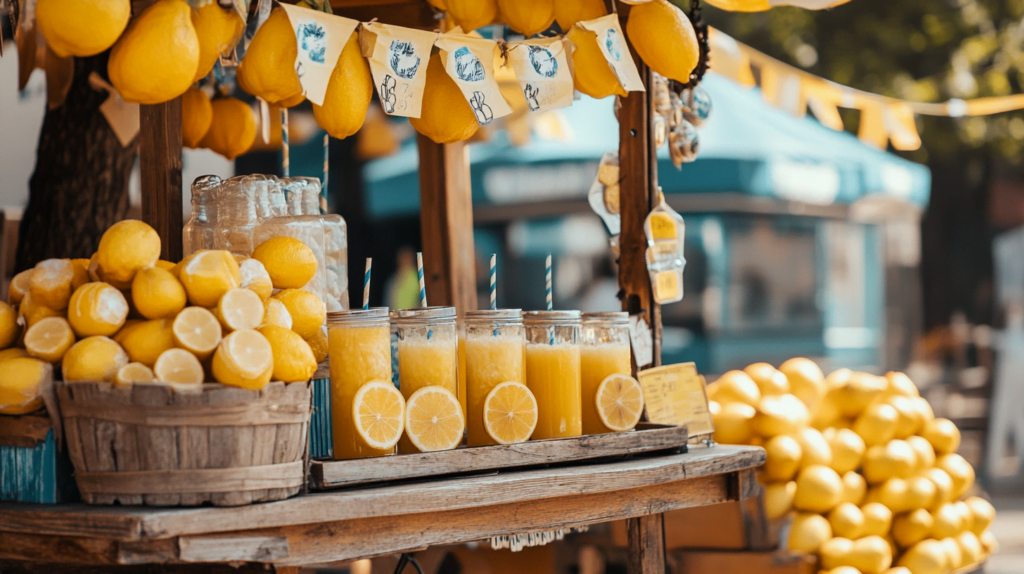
604,351
494,355
553,371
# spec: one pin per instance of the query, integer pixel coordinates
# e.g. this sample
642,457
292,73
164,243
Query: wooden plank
232,548
333,474
446,224
160,162
667,472
778,562
24,431
646,536
405,13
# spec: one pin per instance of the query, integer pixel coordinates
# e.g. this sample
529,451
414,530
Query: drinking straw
547,278
284,143
419,271
366,284
494,276
323,185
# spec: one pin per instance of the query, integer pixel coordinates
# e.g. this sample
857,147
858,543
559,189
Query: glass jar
198,231
336,261
359,351
236,215
310,195
604,350
427,352
308,229
553,371
494,354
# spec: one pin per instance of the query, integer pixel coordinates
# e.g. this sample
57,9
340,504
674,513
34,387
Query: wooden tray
328,474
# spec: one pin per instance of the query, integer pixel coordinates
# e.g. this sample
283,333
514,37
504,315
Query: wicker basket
154,445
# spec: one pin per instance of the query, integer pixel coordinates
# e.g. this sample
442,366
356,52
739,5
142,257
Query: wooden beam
646,536
406,13
446,224
160,162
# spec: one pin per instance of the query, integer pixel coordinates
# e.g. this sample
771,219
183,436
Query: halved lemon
240,309
510,413
197,330
134,373
49,339
620,400
178,366
433,419
378,410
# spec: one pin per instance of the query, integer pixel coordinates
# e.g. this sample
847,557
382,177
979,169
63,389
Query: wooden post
160,162
646,544
446,221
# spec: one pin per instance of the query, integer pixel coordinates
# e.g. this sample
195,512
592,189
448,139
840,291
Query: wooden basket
154,445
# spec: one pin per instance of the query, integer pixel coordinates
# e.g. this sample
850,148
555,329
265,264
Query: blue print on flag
403,59
468,66
313,41
543,61
611,43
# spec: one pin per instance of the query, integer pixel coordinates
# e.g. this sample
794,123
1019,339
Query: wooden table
368,522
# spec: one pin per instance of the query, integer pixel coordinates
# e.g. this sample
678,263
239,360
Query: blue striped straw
285,169
494,281
419,271
366,284
547,278
323,185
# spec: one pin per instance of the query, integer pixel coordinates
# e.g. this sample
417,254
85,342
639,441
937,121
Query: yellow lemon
815,448
289,262
240,309
966,516
970,548
924,454
125,329
434,420
147,340
806,380
80,273
769,380
778,498
920,492
818,489
877,519
592,75
528,17
196,115
733,387
846,520
877,424
50,285
833,553
859,391
780,414
733,423
982,514
894,460
19,286
306,310
910,528
348,95
93,359
900,384
854,488
8,325
445,116
828,413
847,449
943,485
664,38
82,27
19,387
244,359
293,359
29,313
472,14
947,522
275,313
208,275
870,555
568,12
989,544
97,309
943,435
378,411
165,265
892,493
911,419
318,344
12,353
218,30
959,470
925,557
156,58
954,557
232,128
134,373
197,330
268,68
129,245
808,532
157,293
49,339
255,278
620,402
178,366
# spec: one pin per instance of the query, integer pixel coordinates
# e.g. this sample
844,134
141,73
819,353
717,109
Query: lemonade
553,374
428,353
494,355
596,363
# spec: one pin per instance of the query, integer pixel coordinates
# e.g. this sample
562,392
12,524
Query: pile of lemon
125,317
872,477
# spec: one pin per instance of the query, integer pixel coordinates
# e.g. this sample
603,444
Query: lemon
733,387
859,391
50,285
947,522
733,423
232,128
80,273
943,435
959,470
49,339
877,519
966,516
129,245
196,116
12,353
147,340
780,414
97,309
275,313
920,492
157,294
528,17
244,359
620,402
378,411
664,38
778,498
165,265
847,449
255,278
293,359
94,358
943,485
289,262
445,116
306,310
925,557
19,286
982,514
892,493
954,557
833,553
877,424
156,58
924,409
218,30
197,330
910,420
910,528
268,68
970,548
592,75
8,325
806,380
846,520
924,454
434,420
808,532
82,27
818,489
348,94
870,555
472,14
125,329
134,373
989,544
20,385
768,379
178,366
900,384
208,275
318,344
240,309
29,313
854,488
815,448
97,275
895,459
568,12
828,414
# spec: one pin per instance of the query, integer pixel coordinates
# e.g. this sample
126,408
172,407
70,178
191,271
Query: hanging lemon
472,14
664,38
446,116
268,68
218,29
233,128
157,57
349,93
568,12
196,116
82,27
528,17
591,73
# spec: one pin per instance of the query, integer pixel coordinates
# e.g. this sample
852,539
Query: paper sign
675,395
470,62
122,117
642,341
398,61
543,69
320,38
611,41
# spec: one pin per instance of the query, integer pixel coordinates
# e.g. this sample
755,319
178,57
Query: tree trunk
80,184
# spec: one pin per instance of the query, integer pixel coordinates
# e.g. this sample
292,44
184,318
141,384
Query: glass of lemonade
553,371
494,355
359,350
604,350
428,353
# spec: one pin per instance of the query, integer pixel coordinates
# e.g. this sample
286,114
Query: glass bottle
198,231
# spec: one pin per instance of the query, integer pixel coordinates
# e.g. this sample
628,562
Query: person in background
402,290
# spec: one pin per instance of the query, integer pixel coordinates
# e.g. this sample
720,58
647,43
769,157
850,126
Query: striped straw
323,185
285,169
547,279
494,282
419,271
366,284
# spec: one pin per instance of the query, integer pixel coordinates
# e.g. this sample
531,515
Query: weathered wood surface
24,431
160,164
333,474
646,536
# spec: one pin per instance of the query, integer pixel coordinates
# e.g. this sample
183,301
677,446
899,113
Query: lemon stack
124,316
872,477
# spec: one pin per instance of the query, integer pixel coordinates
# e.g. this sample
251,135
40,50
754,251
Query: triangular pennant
320,38
398,62
469,61
542,67
611,41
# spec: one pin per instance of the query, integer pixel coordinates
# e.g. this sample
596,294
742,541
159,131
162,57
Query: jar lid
502,314
551,316
358,315
613,317
421,313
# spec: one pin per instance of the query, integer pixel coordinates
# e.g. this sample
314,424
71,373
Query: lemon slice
244,359
178,366
197,330
378,410
240,309
619,402
433,419
49,339
510,413
134,373
19,286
